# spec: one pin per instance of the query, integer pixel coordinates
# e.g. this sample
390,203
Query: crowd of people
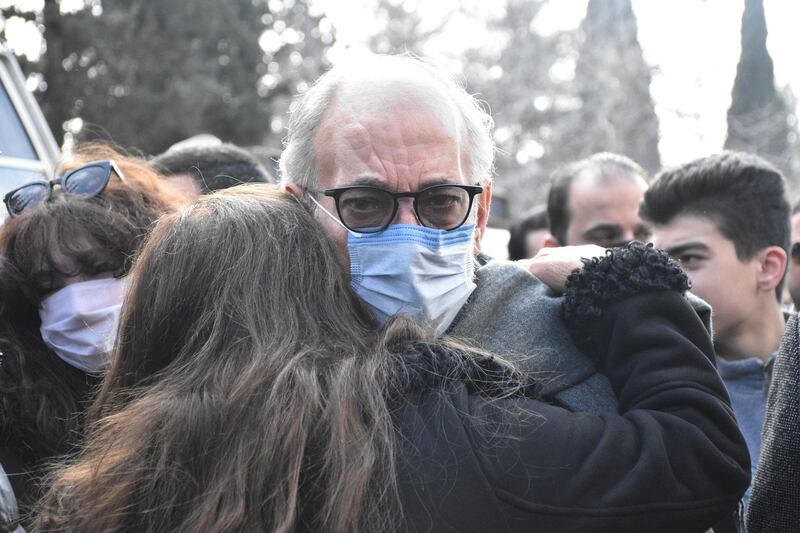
189,344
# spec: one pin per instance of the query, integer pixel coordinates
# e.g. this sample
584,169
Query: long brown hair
248,386
40,395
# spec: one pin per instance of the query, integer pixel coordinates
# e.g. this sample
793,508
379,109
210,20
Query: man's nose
405,212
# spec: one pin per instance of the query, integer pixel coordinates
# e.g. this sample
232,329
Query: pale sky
693,46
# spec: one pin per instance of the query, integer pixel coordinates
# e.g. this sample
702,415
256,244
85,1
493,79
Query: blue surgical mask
79,322
413,270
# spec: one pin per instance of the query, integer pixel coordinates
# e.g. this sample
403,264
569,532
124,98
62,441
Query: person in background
726,219
793,277
527,236
596,201
204,167
65,252
269,401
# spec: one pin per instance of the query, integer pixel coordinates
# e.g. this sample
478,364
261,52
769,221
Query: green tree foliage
560,97
612,81
295,43
402,29
522,83
759,119
146,74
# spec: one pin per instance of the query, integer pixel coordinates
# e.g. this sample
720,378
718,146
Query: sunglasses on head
86,181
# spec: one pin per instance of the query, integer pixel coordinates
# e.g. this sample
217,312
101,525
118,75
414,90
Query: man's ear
293,189
773,260
550,241
484,204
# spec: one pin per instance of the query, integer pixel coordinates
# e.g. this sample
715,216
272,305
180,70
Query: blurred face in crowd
535,241
399,136
730,285
605,211
793,284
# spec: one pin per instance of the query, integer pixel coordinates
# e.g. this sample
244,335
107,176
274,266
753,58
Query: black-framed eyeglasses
367,209
86,181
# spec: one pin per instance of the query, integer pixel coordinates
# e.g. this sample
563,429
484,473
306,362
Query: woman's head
248,265
72,238
59,242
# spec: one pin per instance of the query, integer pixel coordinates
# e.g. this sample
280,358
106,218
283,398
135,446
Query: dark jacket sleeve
775,500
672,459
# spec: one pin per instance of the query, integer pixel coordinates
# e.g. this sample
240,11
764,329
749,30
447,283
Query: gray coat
513,314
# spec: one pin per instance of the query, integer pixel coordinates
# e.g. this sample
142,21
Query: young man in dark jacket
726,219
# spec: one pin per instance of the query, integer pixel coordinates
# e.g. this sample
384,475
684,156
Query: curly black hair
621,273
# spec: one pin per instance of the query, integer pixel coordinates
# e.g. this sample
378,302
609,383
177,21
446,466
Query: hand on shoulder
552,265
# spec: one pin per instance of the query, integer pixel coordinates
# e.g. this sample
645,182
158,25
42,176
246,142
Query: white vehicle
28,150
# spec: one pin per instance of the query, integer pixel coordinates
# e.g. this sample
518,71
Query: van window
28,150
14,141
14,177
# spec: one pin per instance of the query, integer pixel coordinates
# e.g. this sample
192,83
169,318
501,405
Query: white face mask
413,270
79,322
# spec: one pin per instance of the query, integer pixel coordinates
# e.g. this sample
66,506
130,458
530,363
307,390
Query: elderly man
390,153
401,148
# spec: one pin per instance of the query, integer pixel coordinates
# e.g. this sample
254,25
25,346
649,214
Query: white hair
298,160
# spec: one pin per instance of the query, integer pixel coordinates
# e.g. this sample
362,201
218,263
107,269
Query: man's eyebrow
440,181
372,181
685,247
609,228
367,181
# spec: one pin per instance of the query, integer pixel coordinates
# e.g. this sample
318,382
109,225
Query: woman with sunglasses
251,391
64,253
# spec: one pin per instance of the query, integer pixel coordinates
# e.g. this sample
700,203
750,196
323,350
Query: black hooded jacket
671,460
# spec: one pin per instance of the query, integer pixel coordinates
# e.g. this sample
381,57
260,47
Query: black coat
673,459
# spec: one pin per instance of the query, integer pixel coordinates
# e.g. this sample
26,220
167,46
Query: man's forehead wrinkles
357,135
389,170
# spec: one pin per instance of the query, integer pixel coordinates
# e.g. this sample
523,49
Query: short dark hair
603,164
213,167
535,219
744,195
